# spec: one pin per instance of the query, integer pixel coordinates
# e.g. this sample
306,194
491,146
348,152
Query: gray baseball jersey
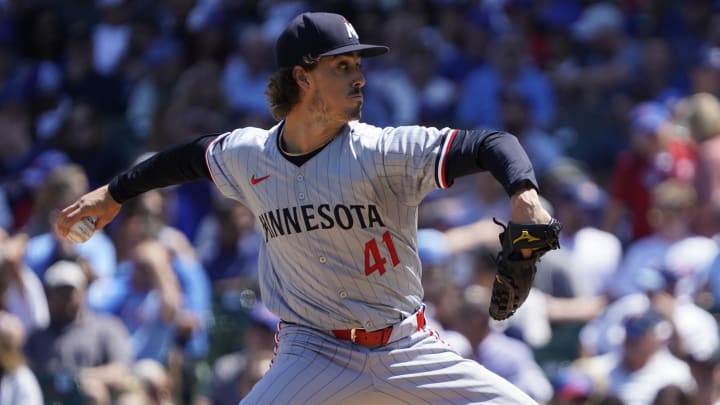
340,230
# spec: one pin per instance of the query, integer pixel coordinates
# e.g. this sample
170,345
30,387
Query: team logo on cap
350,30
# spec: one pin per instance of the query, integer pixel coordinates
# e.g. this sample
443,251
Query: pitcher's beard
354,113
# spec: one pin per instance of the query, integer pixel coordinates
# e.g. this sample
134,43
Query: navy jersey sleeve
176,165
495,151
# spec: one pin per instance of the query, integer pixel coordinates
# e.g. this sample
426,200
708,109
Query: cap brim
60,284
365,50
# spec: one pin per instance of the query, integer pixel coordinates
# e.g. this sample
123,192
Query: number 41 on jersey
374,261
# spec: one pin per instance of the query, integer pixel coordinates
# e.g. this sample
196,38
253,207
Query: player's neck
299,137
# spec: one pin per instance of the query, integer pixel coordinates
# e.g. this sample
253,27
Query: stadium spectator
705,71
596,60
579,202
646,365
670,215
45,247
153,385
20,288
655,155
653,80
18,384
146,296
164,300
81,353
572,387
699,114
244,75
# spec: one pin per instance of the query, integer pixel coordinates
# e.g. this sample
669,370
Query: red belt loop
380,337
421,318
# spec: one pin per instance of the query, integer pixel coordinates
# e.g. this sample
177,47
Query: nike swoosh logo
255,180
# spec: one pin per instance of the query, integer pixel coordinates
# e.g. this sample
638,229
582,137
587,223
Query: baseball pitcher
336,202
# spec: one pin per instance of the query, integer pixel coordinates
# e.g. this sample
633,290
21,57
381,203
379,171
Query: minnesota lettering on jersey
304,218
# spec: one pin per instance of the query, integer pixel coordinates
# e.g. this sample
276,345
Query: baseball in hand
82,230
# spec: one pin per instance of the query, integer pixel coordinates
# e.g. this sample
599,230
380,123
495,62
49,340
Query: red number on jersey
374,261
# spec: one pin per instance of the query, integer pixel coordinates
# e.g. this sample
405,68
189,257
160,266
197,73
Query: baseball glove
516,272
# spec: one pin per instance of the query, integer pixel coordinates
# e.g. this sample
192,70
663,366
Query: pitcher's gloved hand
516,271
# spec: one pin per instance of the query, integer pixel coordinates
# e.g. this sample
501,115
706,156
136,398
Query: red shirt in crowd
634,177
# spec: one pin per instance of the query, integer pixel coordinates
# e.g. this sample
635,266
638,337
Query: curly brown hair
283,92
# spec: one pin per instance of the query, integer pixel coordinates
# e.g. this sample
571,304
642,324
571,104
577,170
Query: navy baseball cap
320,34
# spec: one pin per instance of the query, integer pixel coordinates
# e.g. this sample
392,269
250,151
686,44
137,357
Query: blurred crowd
616,103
